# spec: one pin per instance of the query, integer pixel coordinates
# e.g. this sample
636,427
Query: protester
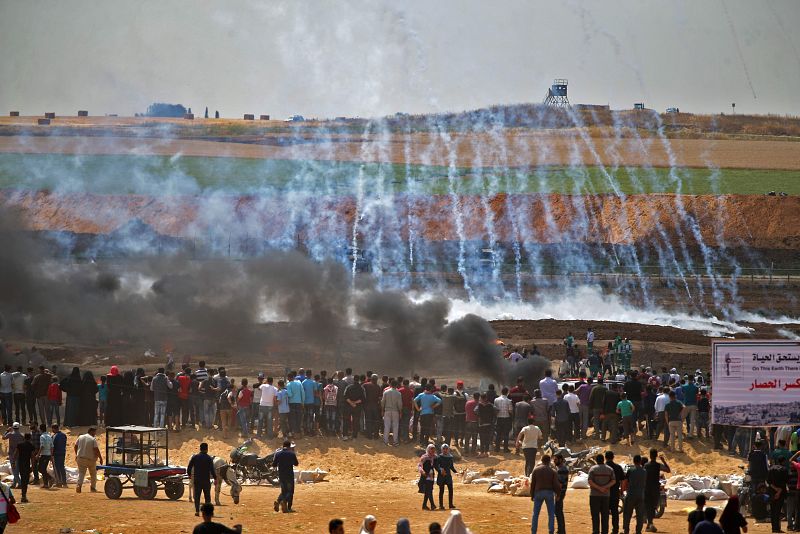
634,499
6,497
485,412
201,471
627,411
652,488
427,469
504,412
455,524
697,515
563,478
285,460
601,480
777,478
425,403
210,527
87,451
707,525
675,411
731,520
336,526
392,406
59,456
368,525
25,464
613,493
528,441
14,437
444,478
45,455
71,385
545,485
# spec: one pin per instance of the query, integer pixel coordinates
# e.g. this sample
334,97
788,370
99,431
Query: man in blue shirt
690,401
285,460
425,403
282,400
296,397
59,453
309,390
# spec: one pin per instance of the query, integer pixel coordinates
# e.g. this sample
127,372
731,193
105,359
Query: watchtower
557,94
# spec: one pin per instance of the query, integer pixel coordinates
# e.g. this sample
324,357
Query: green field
161,175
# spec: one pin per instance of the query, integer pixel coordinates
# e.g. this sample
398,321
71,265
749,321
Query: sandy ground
512,148
365,478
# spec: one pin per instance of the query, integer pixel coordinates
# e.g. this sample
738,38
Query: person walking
528,440
601,480
14,437
26,459
59,456
563,478
45,456
201,471
652,487
210,527
285,460
391,406
427,470
445,468
731,520
634,498
87,451
545,485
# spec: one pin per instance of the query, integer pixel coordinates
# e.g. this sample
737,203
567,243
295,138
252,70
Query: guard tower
557,94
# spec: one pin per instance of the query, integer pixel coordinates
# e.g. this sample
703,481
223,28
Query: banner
755,383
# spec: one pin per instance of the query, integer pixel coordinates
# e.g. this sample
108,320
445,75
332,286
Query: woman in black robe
114,405
88,412
71,385
130,403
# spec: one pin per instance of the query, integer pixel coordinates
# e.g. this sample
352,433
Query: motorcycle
248,466
662,499
575,461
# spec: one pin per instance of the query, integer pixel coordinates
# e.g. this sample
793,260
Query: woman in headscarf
444,478
368,526
427,473
455,524
88,413
731,520
115,395
71,385
403,526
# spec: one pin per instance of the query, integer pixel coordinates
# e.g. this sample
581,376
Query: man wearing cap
14,437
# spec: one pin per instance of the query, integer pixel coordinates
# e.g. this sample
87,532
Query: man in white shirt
18,388
266,405
660,415
515,356
528,441
391,406
504,411
548,387
6,395
574,412
87,451
590,339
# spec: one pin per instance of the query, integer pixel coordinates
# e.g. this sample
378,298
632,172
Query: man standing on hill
285,460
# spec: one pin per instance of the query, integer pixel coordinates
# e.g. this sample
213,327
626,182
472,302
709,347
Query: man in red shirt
184,380
407,394
518,392
471,439
245,399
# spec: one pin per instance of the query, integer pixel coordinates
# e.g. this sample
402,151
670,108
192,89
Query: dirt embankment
759,222
511,147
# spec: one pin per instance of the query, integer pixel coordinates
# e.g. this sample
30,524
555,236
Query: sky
373,58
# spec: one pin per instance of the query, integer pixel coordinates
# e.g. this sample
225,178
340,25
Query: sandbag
580,481
469,476
715,495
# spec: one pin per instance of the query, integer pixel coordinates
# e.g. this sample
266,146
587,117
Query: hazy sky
367,58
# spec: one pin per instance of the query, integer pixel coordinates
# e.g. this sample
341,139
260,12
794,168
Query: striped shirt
504,406
201,374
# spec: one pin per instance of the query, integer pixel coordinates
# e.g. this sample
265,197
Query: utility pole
733,108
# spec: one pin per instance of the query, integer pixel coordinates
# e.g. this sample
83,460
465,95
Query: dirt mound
734,220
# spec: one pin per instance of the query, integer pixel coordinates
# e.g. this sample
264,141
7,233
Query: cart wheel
147,492
113,488
174,490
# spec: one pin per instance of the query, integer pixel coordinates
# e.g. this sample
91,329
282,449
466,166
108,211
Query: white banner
755,383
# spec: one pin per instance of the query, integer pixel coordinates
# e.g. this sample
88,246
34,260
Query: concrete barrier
249,117
43,122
